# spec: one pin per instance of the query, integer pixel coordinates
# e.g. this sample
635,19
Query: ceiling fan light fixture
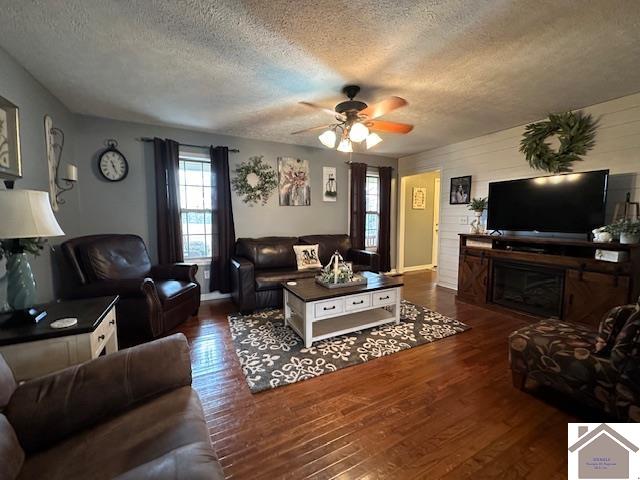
358,132
345,146
328,138
373,139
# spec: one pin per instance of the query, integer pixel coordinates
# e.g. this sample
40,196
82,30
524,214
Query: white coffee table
316,312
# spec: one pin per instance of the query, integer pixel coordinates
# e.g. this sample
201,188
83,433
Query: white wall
496,157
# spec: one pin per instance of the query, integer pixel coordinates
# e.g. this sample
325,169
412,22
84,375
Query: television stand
546,277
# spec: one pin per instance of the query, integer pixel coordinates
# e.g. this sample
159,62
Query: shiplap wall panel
495,157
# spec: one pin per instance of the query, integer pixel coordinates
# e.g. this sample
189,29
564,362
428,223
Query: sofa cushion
11,453
611,325
329,244
7,383
193,462
268,252
172,292
271,279
141,435
116,257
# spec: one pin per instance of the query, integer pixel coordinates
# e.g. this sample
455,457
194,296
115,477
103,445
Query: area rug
272,355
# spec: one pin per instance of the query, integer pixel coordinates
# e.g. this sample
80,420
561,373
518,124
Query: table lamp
24,214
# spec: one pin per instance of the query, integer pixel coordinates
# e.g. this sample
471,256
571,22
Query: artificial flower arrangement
339,273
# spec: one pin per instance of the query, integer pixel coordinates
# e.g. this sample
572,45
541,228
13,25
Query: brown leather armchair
153,298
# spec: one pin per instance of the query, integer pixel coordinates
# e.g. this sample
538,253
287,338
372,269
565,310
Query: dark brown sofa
128,415
153,298
260,265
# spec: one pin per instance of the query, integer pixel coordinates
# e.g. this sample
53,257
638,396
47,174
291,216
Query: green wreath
576,132
267,181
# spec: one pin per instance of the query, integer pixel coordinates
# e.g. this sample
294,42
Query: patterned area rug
272,355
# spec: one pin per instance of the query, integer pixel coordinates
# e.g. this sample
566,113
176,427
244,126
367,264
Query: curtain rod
349,162
147,139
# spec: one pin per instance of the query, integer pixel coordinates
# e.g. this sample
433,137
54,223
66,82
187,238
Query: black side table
35,349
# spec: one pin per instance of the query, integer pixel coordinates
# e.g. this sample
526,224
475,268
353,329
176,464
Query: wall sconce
60,180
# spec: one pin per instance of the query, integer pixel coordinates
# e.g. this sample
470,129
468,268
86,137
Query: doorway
419,218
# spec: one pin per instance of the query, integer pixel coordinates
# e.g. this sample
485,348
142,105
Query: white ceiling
239,67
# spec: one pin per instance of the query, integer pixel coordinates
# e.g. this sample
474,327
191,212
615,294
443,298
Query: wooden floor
441,410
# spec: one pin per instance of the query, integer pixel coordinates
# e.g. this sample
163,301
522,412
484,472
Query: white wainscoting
495,157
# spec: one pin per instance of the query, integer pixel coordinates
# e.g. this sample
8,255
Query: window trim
191,155
373,248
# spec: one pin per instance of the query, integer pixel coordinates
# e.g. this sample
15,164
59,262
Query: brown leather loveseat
153,298
129,415
260,265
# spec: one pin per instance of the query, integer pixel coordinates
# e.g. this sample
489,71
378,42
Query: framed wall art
294,184
10,159
419,198
460,193
329,184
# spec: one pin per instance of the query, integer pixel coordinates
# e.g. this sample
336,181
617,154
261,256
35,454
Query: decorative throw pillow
307,256
611,325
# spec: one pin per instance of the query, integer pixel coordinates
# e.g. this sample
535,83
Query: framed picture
460,190
10,160
419,197
329,184
294,184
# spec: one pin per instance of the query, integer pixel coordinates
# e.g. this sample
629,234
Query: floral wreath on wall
254,180
576,133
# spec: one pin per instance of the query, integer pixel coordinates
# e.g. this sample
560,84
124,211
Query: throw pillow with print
307,256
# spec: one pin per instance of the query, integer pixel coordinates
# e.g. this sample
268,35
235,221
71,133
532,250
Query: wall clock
112,164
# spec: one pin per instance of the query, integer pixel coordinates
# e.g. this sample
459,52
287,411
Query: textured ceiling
240,67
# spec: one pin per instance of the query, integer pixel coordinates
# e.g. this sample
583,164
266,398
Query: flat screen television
567,203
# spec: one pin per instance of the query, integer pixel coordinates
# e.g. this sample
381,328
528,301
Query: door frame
401,216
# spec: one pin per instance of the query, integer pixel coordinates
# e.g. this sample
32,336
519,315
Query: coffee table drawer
384,297
357,302
329,307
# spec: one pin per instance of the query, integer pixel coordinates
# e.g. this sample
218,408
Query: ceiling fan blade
390,127
326,110
385,106
321,127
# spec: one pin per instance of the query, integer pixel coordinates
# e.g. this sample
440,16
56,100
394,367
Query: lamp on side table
25,219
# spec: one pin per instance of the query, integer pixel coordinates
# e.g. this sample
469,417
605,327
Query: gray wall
34,101
418,224
129,206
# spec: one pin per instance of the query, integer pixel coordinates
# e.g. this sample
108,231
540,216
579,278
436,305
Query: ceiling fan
355,121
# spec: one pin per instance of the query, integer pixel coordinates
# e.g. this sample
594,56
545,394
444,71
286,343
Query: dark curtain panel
358,204
384,240
168,201
223,231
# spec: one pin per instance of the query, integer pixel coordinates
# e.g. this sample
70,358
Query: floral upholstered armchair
600,368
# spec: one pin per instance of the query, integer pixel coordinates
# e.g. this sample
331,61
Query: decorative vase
477,225
628,238
21,286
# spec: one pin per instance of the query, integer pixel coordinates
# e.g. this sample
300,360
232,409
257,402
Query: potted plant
628,231
478,206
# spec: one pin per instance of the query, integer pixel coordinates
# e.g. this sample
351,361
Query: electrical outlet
206,274
463,220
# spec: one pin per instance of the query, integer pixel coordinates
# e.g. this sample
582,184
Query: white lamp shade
372,140
27,214
345,146
358,132
328,138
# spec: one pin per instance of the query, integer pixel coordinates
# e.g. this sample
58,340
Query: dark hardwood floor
442,410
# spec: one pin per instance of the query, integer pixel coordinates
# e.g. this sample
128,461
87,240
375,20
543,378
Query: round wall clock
112,164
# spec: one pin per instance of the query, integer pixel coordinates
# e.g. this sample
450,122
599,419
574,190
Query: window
372,215
195,203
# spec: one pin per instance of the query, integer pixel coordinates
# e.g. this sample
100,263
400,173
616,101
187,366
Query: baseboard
214,296
415,268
